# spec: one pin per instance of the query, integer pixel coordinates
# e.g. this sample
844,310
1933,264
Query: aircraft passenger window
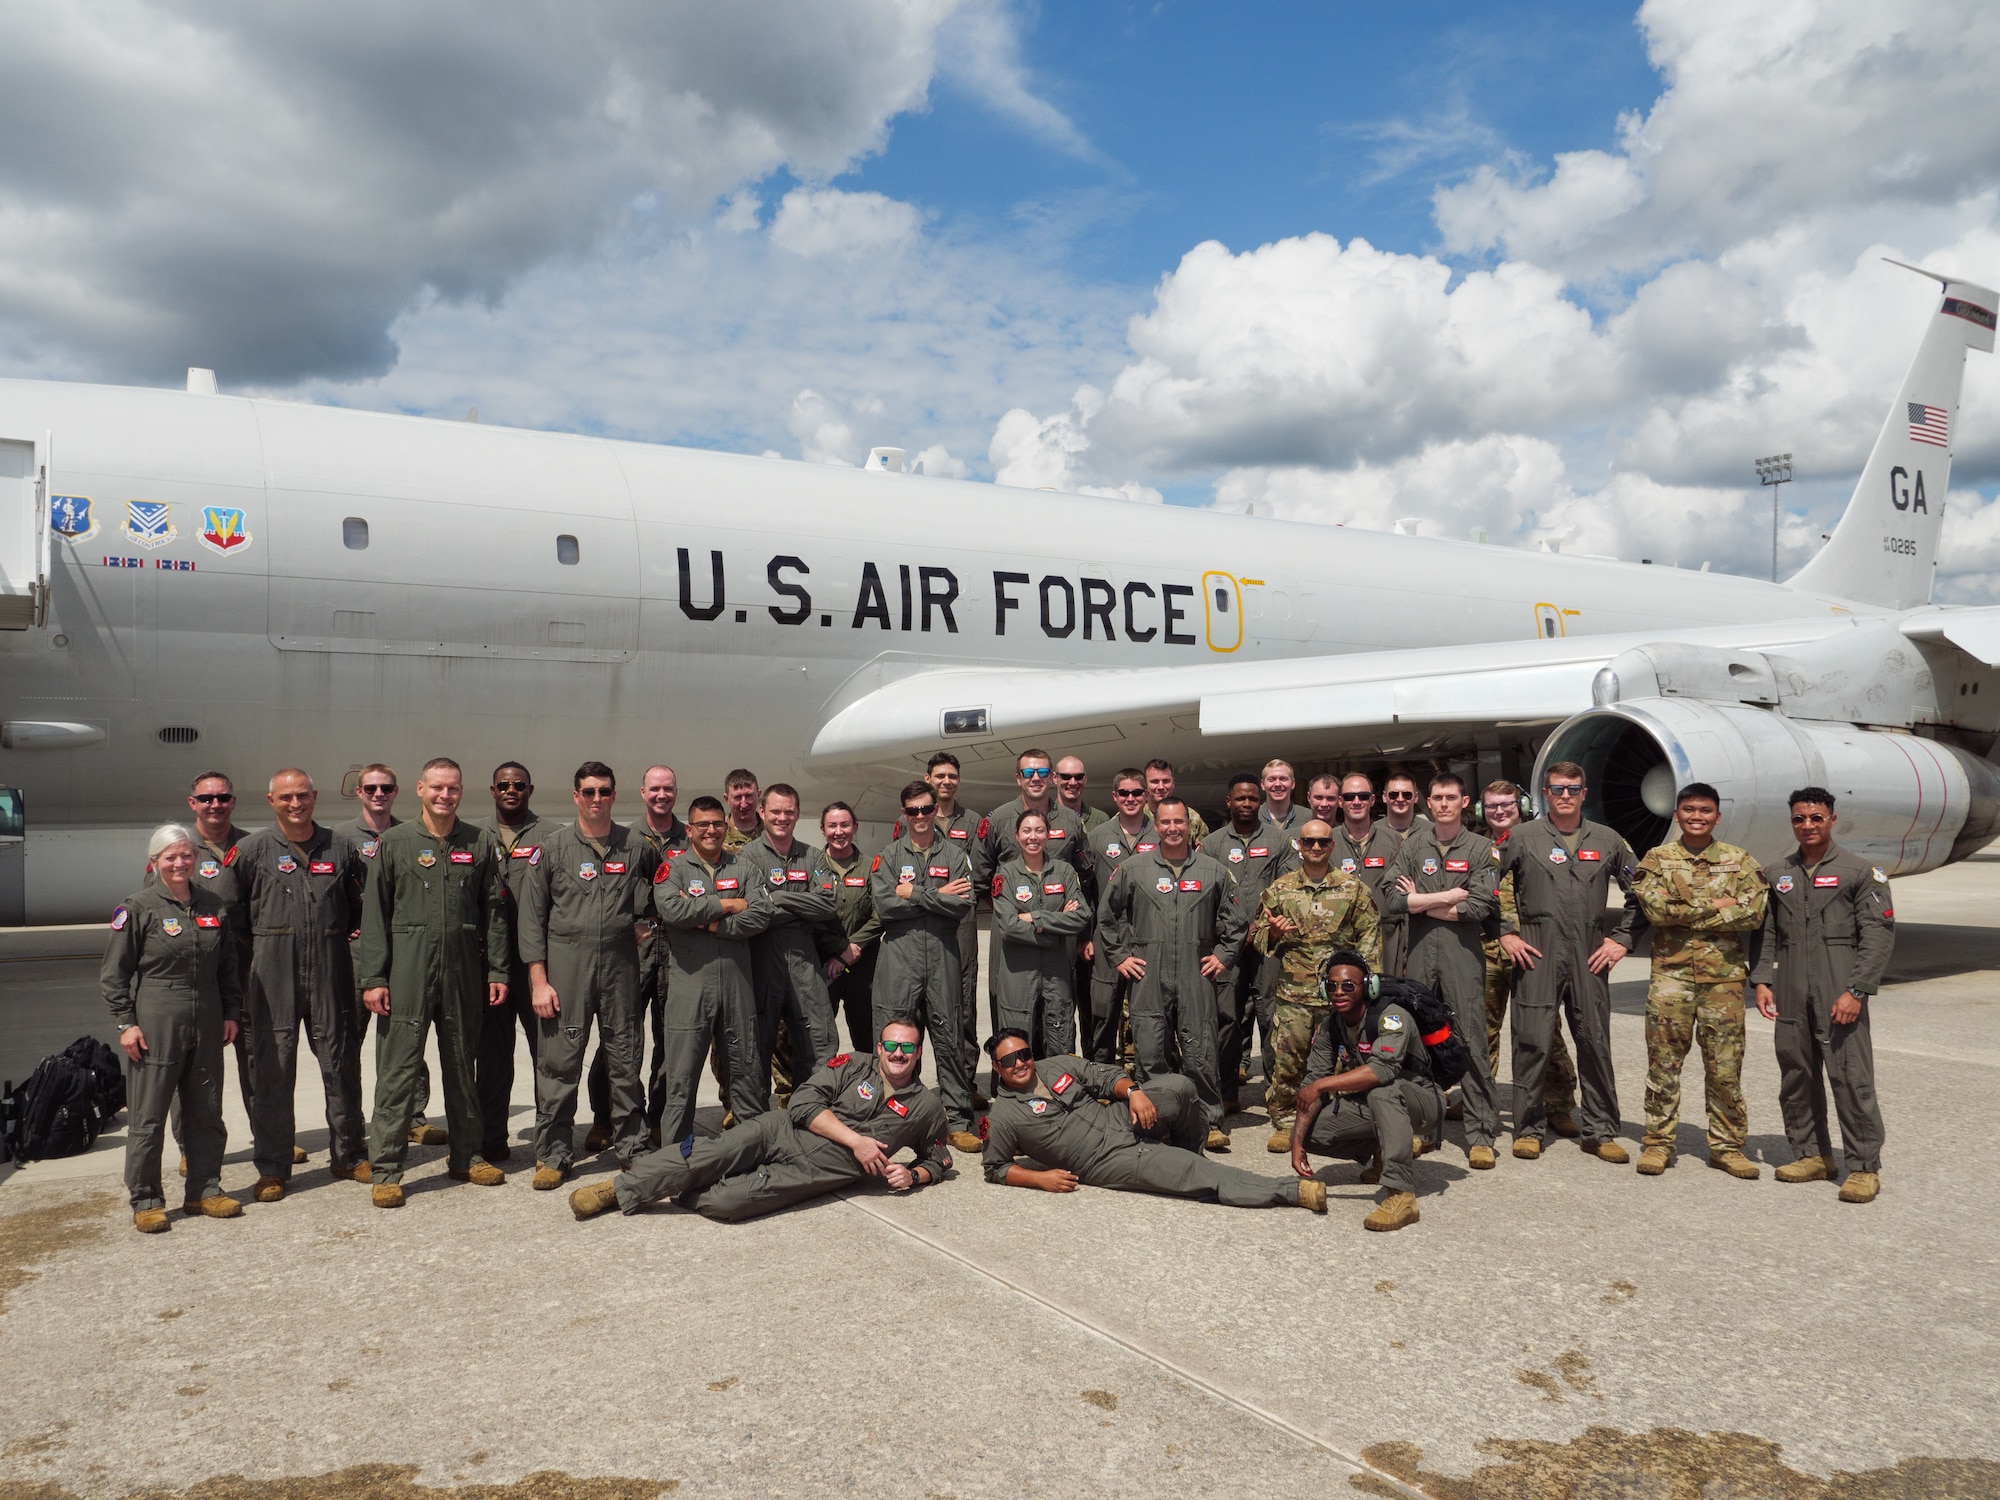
566,550
354,534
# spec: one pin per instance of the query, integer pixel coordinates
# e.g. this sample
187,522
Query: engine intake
1905,803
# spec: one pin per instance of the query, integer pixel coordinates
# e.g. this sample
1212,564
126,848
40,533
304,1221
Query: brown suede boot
1312,1194
597,1137
1565,1125
1528,1148
215,1206
267,1190
1394,1212
1736,1164
359,1172
1861,1187
593,1198
1654,1160
548,1178
387,1195
479,1174
151,1221
428,1135
1806,1169
1217,1141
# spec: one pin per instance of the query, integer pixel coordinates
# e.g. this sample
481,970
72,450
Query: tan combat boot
1217,1141
422,1134
964,1140
479,1174
1806,1169
1736,1164
1481,1159
1860,1187
1609,1151
1655,1160
299,1156
1281,1138
1372,1173
1312,1194
1528,1148
598,1136
548,1178
1393,1212
1565,1126
215,1206
387,1195
593,1198
359,1172
151,1221
184,1164
729,1119
267,1190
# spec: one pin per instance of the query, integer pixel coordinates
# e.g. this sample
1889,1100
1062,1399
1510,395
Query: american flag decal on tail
1928,424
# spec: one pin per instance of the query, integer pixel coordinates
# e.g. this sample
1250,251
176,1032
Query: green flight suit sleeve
378,898
932,1155
531,911
676,908
1114,919
999,1152
814,900
1482,893
1874,936
754,918
1632,923
932,897
1099,1080
1321,1053
889,907
819,1091
1055,926
1394,1029
228,974
1366,923
493,897
121,965
1396,900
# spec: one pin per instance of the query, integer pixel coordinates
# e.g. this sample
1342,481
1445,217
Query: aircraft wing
1976,632
1366,699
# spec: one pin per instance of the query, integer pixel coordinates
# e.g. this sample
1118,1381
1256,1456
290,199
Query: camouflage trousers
1679,1012
1559,1082
1291,1039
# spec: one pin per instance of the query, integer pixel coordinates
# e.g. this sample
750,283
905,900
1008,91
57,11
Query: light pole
1774,471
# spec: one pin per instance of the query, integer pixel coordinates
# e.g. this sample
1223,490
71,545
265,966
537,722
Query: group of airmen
1135,959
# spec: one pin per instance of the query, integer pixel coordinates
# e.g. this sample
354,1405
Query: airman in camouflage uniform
1701,896
1303,918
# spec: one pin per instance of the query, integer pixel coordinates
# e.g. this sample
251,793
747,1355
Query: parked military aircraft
190,580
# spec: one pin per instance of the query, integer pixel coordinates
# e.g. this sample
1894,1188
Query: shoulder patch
840,1059
119,918
1392,1022
662,873
876,866
1881,875
984,825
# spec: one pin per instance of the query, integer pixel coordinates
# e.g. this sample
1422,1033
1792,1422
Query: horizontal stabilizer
1976,632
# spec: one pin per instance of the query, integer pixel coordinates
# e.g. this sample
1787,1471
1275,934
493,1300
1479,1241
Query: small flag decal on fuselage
1928,424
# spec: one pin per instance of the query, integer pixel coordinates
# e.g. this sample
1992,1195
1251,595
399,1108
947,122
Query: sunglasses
1400,796
1357,796
1129,791
1343,986
379,789
1314,843
902,1049
511,786
1034,773
1072,775
213,797
594,792
1566,790
920,812
1019,1057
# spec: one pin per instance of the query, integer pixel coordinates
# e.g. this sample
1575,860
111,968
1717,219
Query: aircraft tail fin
1884,550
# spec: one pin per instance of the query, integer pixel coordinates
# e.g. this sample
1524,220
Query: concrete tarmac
1550,1328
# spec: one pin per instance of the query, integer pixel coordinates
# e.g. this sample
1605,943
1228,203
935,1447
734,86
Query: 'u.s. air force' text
907,597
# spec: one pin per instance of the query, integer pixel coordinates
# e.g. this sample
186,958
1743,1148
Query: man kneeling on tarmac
1049,1111
1369,1056
842,1126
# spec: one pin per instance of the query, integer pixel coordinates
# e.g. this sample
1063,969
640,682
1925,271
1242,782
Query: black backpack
1435,1025
64,1103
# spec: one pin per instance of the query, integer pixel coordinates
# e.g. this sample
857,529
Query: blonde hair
166,836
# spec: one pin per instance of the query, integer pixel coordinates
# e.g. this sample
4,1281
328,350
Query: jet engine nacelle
1905,803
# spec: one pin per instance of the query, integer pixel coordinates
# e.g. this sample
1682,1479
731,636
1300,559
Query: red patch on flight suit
996,887
876,866
1888,913
1144,848
1061,1083
1260,853
1052,888
955,833
662,873
614,867
937,872
896,829
461,856
857,880
1457,866
1373,862
1589,854
897,1105
800,876
984,824
319,867
1057,833
524,851
1190,885
840,1059
729,883
208,921
229,858
1825,882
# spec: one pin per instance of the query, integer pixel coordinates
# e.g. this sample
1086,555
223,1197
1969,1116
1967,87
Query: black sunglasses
512,786
1018,1055
378,789
920,812
594,792
213,797
1306,843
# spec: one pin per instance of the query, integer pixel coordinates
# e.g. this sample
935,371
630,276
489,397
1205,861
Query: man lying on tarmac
844,1124
1049,1111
